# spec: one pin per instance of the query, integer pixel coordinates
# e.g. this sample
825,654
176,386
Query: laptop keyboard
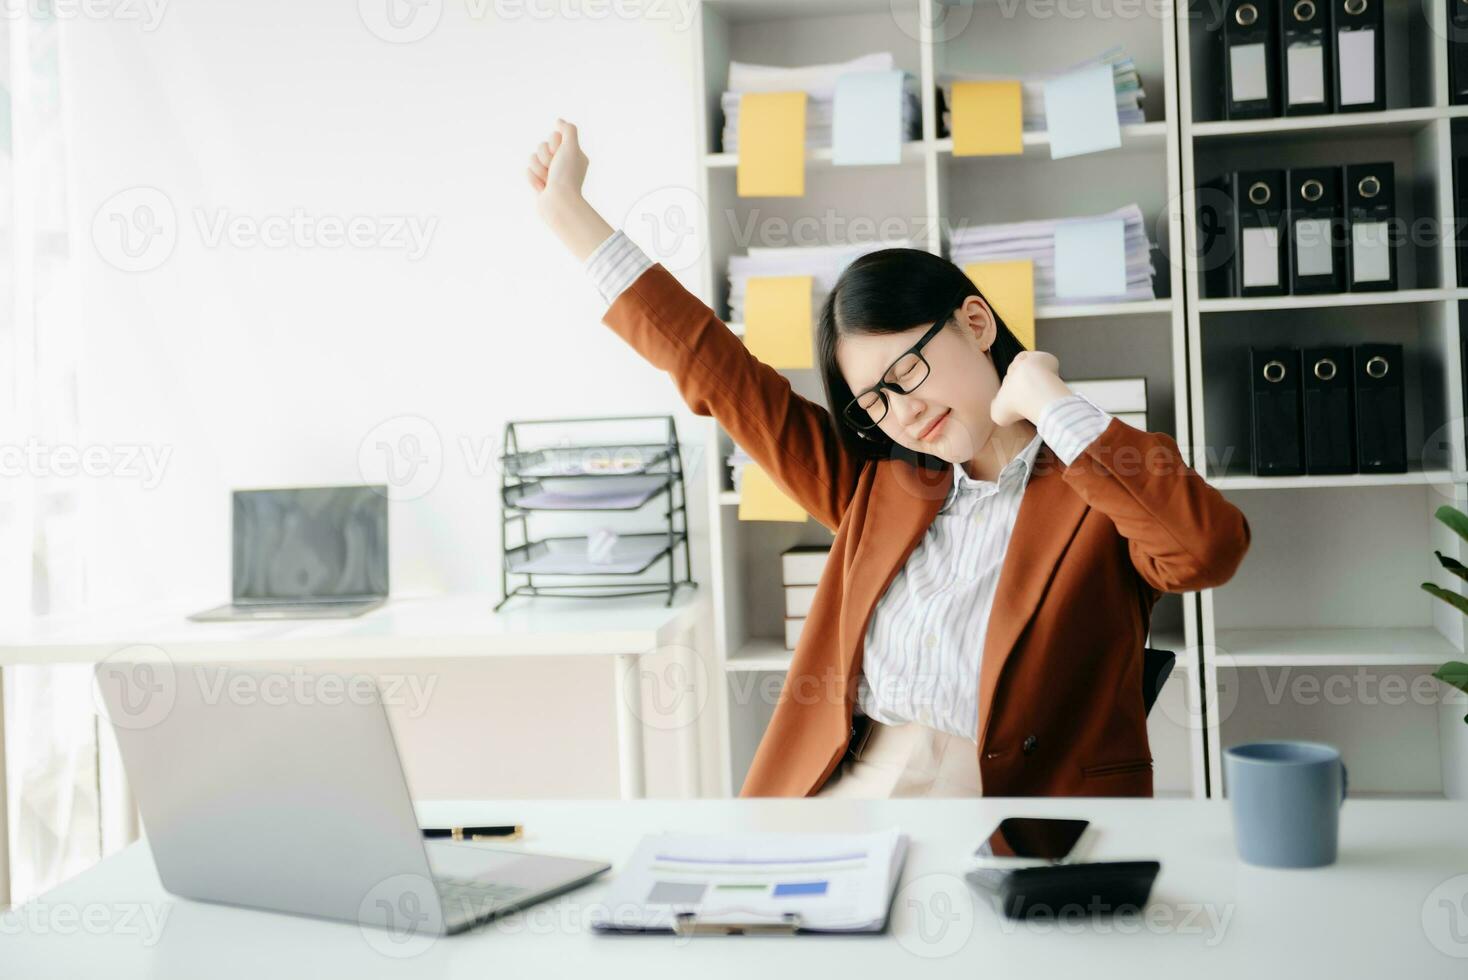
471,898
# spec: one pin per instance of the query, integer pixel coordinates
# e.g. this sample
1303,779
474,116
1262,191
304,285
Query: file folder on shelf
1275,412
1381,435
1371,211
1330,437
1457,52
1250,55
1261,243
1217,236
1316,228
1306,65
1360,49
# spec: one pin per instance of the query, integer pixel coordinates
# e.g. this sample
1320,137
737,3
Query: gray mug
1286,799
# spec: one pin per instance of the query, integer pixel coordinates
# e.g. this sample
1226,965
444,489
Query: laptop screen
310,543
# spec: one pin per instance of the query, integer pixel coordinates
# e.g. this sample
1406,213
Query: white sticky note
1261,256
1080,112
1370,252
1090,258
1356,51
1306,64
1313,255
866,122
1246,79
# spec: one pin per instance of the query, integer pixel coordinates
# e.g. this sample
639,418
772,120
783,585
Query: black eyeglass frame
853,409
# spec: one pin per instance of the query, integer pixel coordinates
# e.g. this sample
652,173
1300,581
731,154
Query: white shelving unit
928,192
1329,594
1326,614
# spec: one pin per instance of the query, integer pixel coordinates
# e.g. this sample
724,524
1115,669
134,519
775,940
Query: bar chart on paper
830,882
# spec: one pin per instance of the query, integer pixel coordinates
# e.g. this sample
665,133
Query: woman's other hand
556,172
1032,382
558,166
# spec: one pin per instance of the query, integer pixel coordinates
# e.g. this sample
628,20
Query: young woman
1000,540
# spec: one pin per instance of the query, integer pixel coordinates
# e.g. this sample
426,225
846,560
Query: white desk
1374,914
407,628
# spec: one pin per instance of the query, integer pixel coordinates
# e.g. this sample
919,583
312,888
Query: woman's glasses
867,410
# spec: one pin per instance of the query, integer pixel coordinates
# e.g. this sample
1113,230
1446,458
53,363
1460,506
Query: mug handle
1343,785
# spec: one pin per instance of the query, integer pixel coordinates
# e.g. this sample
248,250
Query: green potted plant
1452,731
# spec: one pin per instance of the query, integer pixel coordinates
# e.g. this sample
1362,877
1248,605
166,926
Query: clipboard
756,884
745,924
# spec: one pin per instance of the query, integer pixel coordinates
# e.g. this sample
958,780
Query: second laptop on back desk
306,553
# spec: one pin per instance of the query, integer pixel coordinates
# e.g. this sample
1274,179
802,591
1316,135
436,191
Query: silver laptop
258,789
307,553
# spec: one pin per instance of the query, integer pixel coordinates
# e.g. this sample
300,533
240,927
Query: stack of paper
819,84
1084,260
1129,92
802,567
1125,398
823,263
815,882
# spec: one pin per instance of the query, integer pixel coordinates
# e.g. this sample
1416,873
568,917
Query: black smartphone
1027,842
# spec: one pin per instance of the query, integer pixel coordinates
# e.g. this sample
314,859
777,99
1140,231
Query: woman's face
958,390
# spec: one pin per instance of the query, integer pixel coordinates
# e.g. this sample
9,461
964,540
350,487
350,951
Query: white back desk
1394,906
407,628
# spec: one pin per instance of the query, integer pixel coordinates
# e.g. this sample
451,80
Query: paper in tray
567,556
581,460
587,493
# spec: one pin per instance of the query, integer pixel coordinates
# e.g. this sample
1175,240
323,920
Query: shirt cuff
1070,424
615,264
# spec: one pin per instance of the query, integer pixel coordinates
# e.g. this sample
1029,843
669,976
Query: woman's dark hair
891,291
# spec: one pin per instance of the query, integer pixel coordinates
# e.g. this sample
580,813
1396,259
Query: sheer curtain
51,732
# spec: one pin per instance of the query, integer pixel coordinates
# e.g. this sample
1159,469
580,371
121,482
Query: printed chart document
831,882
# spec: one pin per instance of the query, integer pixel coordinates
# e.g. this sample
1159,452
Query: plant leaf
1452,565
1453,518
1448,596
1454,672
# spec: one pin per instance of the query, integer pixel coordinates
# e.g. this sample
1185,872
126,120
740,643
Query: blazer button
1029,744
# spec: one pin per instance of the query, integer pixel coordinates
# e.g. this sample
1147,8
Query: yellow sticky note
1010,289
771,145
987,118
777,320
761,500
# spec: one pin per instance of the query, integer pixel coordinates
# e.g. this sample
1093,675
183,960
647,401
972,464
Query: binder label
1312,247
1370,252
1306,64
1247,80
1261,256
1357,53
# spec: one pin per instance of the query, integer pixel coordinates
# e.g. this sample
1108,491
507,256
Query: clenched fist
1032,382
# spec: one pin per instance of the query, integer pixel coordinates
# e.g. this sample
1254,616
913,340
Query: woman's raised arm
792,439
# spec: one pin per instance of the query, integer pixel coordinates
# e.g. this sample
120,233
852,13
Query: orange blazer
1094,546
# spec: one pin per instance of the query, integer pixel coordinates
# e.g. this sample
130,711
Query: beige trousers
892,761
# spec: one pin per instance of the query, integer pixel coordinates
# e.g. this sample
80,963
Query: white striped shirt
925,637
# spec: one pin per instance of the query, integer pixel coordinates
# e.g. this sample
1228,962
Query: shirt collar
1024,463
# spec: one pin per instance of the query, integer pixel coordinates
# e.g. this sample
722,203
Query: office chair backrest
1156,666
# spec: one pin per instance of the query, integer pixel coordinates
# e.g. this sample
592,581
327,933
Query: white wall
255,366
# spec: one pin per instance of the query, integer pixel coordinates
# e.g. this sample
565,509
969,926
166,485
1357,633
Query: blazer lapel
1049,513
